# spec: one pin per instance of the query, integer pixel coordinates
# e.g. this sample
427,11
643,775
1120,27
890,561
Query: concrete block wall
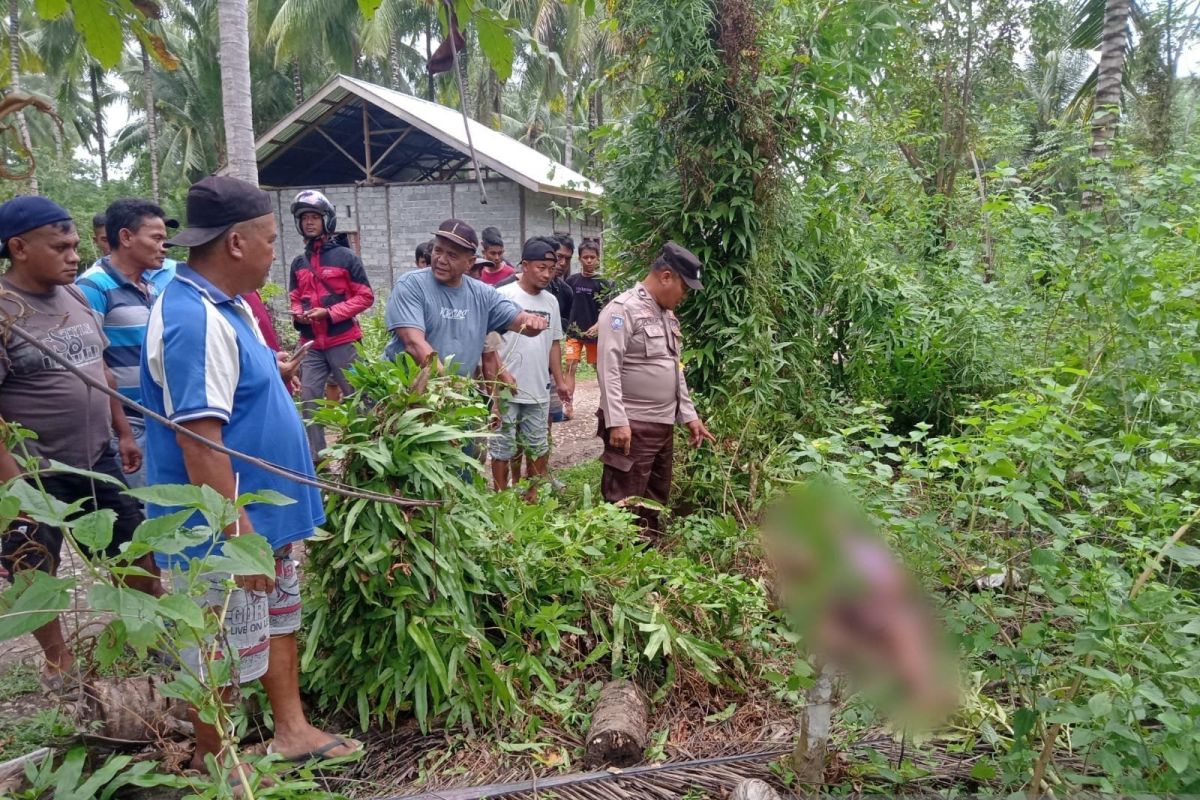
391,221
417,210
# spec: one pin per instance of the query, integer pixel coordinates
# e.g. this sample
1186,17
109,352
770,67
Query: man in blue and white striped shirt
122,288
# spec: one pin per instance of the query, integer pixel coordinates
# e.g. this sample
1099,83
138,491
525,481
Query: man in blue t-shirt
439,310
206,367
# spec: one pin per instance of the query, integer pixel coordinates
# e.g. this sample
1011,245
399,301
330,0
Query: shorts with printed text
524,427
576,348
251,619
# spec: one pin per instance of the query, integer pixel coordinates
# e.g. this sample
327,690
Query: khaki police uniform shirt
638,363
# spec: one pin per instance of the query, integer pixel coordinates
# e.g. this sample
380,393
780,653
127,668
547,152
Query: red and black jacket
330,275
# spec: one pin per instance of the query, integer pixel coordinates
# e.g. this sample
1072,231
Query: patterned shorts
251,619
524,427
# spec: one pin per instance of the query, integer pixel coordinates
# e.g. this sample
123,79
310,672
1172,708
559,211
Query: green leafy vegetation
485,605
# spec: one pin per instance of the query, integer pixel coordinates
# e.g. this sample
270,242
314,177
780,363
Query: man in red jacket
328,288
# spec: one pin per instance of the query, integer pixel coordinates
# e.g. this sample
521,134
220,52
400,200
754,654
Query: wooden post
367,139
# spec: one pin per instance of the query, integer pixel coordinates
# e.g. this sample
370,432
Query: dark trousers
32,545
317,369
645,472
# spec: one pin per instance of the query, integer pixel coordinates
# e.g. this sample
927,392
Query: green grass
580,479
21,734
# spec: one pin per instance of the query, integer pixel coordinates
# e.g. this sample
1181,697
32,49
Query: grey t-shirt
73,421
528,357
455,321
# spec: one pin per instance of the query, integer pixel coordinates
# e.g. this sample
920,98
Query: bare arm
414,343
127,449
206,466
120,422
9,468
560,383
528,324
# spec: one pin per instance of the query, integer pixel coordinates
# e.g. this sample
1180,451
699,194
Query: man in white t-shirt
524,424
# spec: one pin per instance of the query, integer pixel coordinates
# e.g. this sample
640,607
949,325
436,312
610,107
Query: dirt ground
575,441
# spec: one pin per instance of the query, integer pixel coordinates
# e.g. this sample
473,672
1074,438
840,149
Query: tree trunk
1109,75
98,113
617,735
151,123
394,59
569,123
429,57
14,65
233,24
297,84
754,789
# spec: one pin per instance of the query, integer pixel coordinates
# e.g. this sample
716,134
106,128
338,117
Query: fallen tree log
617,736
754,789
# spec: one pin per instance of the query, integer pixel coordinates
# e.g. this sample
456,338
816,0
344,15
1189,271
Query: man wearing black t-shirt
590,293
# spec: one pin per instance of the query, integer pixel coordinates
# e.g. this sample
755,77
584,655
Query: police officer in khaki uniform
643,393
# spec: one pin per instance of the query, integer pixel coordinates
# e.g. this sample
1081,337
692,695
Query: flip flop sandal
322,752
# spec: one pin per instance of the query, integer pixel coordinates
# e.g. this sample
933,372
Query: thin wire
268,466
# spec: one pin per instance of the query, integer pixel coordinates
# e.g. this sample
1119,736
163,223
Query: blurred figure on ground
328,289
74,423
122,287
207,368
643,393
855,604
524,423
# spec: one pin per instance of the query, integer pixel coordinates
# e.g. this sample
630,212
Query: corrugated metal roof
493,149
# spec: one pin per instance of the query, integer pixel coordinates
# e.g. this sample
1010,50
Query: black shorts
31,545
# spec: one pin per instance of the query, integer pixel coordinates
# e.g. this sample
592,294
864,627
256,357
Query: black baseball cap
458,232
684,262
539,248
217,203
26,212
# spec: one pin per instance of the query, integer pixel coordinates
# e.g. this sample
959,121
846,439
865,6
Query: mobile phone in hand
301,350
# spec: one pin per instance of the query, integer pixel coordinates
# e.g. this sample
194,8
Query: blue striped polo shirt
205,358
125,310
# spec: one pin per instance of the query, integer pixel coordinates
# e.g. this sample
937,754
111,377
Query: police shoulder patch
618,322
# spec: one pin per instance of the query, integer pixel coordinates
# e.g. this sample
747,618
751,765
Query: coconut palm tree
14,81
233,23
1109,74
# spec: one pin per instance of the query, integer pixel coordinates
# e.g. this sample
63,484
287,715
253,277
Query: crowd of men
192,341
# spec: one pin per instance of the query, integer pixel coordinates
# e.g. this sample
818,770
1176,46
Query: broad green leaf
34,599
182,608
165,534
41,506
1178,759
1185,554
267,497
51,9
496,44
248,554
94,531
101,31
98,477
169,495
1100,704
368,8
